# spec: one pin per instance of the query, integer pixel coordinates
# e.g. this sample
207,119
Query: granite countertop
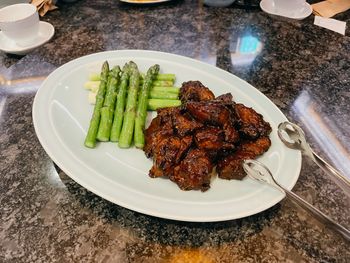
302,68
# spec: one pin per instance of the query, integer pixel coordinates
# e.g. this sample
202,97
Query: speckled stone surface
304,69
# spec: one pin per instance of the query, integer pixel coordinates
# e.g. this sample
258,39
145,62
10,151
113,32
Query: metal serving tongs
261,173
297,140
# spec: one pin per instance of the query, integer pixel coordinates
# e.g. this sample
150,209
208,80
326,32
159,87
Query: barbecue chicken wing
195,91
252,124
215,113
231,166
194,171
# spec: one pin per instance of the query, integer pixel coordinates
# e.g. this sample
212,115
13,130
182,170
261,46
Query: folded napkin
330,8
44,6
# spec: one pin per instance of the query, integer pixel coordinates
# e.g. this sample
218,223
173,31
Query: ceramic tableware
20,23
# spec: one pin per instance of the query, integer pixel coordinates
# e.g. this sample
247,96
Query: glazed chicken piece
156,132
252,124
212,139
168,153
231,166
194,171
226,98
195,91
184,124
209,112
161,127
214,113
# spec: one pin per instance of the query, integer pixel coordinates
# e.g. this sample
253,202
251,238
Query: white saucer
46,32
268,6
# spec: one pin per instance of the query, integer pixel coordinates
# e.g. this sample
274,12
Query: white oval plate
61,115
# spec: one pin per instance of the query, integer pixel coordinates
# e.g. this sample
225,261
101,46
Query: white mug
20,23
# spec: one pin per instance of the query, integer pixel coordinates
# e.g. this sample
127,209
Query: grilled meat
209,112
226,98
195,91
187,142
212,139
215,113
252,124
231,166
194,172
185,124
167,153
156,132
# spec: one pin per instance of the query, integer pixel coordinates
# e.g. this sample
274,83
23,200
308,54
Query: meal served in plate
199,136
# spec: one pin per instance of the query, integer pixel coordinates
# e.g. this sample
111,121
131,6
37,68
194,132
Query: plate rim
156,213
144,3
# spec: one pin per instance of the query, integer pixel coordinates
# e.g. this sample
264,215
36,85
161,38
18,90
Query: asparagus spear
166,76
126,134
119,108
104,129
163,83
154,104
141,112
111,93
154,94
166,89
90,140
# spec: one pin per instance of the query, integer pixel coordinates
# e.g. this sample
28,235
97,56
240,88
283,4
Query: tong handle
327,221
333,173
261,173
298,141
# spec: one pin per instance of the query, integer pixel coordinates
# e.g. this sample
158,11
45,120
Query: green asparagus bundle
126,134
119,108
107,111
141,113
90,140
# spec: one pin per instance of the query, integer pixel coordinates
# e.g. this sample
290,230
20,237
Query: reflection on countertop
303,69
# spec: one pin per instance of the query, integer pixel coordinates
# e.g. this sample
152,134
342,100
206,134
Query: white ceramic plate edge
145,2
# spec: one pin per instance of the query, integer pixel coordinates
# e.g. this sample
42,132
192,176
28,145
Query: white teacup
289,6
20,23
